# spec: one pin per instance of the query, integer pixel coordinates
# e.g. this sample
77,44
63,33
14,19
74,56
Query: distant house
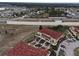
26,16
57,19
2,8
40,12
49,35
74,15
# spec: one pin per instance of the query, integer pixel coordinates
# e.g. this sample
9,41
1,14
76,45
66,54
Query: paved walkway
69,47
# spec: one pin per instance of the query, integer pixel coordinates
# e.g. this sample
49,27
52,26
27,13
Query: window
38,45
47,44
41,41
37,39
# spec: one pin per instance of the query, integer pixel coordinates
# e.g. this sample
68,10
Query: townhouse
23,49
45,37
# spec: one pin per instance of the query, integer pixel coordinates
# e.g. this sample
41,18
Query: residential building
48,35
23,49
75,31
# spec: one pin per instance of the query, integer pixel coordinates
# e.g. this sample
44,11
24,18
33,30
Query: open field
13,35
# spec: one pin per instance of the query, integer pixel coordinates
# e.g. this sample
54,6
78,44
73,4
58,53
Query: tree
53,12
40,27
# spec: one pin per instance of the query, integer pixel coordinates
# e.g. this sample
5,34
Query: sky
43,1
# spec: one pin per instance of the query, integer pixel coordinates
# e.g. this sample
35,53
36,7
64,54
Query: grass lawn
59,28
30,38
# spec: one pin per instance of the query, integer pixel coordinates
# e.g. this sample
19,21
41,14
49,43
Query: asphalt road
40,21
43,23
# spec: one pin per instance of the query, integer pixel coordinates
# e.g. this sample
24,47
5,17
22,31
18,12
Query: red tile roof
51,33
76,29
23,49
